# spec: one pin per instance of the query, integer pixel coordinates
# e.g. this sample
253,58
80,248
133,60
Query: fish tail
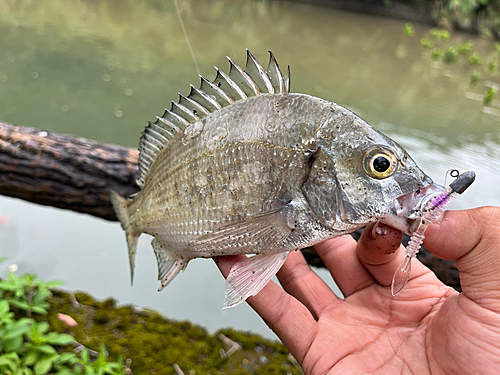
120,206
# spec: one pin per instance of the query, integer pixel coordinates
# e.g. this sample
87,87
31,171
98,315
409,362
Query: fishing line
187,38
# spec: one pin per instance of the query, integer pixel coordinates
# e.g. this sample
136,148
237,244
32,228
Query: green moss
154,343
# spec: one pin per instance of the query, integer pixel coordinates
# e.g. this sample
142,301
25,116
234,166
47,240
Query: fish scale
243,166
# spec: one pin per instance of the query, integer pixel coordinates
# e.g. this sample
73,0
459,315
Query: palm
373,335
428,328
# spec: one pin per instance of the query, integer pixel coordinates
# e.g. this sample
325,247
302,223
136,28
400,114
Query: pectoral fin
249,276
168,266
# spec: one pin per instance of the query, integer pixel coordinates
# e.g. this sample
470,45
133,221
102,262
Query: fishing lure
432,213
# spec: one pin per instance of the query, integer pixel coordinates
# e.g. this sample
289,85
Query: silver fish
243,166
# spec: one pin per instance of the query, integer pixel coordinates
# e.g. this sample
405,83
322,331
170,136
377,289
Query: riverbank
154,344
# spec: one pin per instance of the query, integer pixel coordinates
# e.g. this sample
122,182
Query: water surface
101,69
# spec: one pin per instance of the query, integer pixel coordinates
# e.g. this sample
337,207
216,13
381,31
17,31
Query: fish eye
379,163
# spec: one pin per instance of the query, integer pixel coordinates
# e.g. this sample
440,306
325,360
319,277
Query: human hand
428,328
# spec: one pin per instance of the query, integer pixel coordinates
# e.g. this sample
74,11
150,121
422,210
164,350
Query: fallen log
77,174
64,171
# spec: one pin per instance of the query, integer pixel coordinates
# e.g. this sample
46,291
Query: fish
242,165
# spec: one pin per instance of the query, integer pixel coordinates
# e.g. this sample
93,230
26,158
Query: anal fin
250,275
168,266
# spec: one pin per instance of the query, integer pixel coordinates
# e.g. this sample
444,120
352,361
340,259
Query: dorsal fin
223,91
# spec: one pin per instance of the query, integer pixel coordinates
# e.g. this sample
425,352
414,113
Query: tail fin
120,206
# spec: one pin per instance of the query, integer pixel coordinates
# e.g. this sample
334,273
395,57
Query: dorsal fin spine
183,112
211,96
217,90
273,70
231,83
286,80
170,124
174,116
195,105
262,75
153,141
160,129
195,91
236,71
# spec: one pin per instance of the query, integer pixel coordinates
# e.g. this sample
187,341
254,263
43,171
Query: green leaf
66,357
61,339
10,359
85,355
4,307
46,349
43,366
13,344
19,304
16,330
26,371
30,358
39,310
54,283
42,327
5,285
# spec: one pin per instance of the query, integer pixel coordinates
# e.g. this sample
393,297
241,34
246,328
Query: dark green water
101,69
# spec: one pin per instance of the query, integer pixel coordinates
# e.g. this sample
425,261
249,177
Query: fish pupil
381,164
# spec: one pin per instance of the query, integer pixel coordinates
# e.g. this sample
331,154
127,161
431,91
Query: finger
299,280
379,250
286,316
472,238
339,256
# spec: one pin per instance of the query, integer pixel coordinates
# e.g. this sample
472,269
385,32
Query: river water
101,69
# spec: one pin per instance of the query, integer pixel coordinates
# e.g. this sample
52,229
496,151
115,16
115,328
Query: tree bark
64,171
75,173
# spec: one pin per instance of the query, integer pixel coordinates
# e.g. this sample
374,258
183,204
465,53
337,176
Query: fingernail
381,230
375,230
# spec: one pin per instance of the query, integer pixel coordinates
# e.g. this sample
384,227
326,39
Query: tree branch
64,171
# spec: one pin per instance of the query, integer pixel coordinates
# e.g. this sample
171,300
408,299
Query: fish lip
408,207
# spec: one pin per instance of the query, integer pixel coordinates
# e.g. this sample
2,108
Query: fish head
368,177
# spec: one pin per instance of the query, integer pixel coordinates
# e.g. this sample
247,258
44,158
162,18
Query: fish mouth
408,208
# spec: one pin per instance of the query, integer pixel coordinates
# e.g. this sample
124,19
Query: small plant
474,59
465,48
474,78
490,95
426,43
409,30
436,53
450,55
492,65
28,347
443,35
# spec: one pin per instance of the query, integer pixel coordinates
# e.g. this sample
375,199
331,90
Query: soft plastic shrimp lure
432,213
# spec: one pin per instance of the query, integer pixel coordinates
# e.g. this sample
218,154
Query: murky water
102,69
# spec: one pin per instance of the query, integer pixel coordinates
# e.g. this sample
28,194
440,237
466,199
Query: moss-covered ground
154,343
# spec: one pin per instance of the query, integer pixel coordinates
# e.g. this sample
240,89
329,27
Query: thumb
472,239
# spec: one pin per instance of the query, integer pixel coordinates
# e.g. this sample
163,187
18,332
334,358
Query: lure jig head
432,213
